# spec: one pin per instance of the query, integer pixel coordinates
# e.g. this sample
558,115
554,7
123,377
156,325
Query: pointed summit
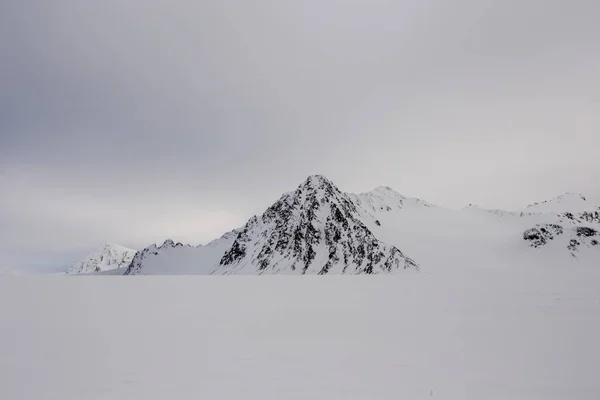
317,179
168,243
318,183
314,230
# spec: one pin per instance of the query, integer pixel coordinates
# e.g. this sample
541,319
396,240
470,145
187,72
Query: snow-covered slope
571,223
177,259
576,238
108,257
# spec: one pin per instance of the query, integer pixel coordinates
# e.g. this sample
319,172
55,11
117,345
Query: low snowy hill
108,257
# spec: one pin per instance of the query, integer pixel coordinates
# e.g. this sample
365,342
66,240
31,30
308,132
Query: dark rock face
573,244
577,236
580,218
541,234
585,231
315,229
590,216
584,235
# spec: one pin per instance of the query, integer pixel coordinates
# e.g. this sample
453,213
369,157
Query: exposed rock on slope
108,257
313,230
573,219
576,237
584,236
541,234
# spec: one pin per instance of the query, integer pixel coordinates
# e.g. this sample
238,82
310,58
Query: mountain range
318,229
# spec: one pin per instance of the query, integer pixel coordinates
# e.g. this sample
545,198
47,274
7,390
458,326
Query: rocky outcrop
541,234
576,236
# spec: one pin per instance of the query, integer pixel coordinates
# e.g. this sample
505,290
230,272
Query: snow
315,230
106,258
321,226
440,239
503,305
465,333
573,202
178,259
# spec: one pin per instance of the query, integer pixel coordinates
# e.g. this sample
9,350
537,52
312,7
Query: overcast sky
134,121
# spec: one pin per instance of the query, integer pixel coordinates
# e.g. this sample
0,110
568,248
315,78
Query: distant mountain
106,258
318,229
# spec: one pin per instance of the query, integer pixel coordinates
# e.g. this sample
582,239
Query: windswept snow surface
519,333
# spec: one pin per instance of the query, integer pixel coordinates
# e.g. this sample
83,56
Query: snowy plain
467,333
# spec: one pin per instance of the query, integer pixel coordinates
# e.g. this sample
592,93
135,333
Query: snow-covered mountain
108,257
318,229
177,259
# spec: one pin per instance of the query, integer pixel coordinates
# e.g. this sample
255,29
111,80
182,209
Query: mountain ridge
318,229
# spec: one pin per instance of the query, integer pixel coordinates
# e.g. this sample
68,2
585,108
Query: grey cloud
125,108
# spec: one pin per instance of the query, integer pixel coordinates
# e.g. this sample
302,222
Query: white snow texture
469,304
468,333
317,229
106,258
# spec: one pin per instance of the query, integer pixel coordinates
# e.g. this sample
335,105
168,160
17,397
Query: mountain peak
386,192
313,230
110,246
569,201
571,195
167,243
316,182
384,189
108,257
